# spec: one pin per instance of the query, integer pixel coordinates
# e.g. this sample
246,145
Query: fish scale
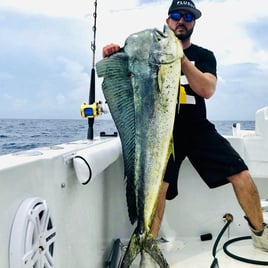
152,69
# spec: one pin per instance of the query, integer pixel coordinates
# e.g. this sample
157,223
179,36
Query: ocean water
25,134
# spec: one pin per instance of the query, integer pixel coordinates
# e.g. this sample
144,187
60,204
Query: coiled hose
229,219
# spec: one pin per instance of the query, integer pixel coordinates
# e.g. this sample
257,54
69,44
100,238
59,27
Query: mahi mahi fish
140,84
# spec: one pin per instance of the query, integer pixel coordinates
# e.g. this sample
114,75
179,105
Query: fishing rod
90,131
93,108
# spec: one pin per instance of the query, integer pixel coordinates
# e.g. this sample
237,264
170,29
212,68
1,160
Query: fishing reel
91,110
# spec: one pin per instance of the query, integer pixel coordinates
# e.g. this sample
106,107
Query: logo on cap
186,3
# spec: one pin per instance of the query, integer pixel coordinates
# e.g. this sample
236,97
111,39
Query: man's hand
110,49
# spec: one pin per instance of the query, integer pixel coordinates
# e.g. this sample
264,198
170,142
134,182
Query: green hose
215,264
238,257
229,219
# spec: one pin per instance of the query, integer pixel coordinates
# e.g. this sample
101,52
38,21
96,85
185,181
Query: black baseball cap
187,5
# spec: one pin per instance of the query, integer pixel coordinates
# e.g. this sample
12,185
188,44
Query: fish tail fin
150,245
133,249
143,243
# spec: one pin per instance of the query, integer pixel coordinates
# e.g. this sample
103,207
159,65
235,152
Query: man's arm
204,84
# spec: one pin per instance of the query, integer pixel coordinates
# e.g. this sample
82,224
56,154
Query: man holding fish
195,137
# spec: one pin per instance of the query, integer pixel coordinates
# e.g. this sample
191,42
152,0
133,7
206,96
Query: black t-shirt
192,108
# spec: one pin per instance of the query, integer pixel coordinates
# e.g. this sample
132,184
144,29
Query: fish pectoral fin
160,78
150,245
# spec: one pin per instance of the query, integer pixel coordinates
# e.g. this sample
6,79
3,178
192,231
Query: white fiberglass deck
193,253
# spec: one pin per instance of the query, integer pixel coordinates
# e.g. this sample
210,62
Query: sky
46,56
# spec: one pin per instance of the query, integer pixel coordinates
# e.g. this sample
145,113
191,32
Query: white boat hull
88,217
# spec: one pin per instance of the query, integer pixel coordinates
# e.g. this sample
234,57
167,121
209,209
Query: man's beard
185,36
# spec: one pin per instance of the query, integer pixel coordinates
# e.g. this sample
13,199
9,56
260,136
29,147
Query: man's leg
248,198
245,190
160,209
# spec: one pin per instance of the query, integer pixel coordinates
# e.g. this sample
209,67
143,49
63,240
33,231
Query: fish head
153,47
170,47
138,45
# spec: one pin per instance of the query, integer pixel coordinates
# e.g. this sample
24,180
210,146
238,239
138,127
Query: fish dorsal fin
118,93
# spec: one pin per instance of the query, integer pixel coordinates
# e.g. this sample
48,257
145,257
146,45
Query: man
195,137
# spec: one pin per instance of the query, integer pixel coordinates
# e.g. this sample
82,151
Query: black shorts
212,156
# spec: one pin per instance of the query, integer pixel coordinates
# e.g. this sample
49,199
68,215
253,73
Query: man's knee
241,176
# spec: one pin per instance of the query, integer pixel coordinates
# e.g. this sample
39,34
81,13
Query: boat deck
194,253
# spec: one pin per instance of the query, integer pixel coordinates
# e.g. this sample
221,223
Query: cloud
53,8
45,59
240,92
